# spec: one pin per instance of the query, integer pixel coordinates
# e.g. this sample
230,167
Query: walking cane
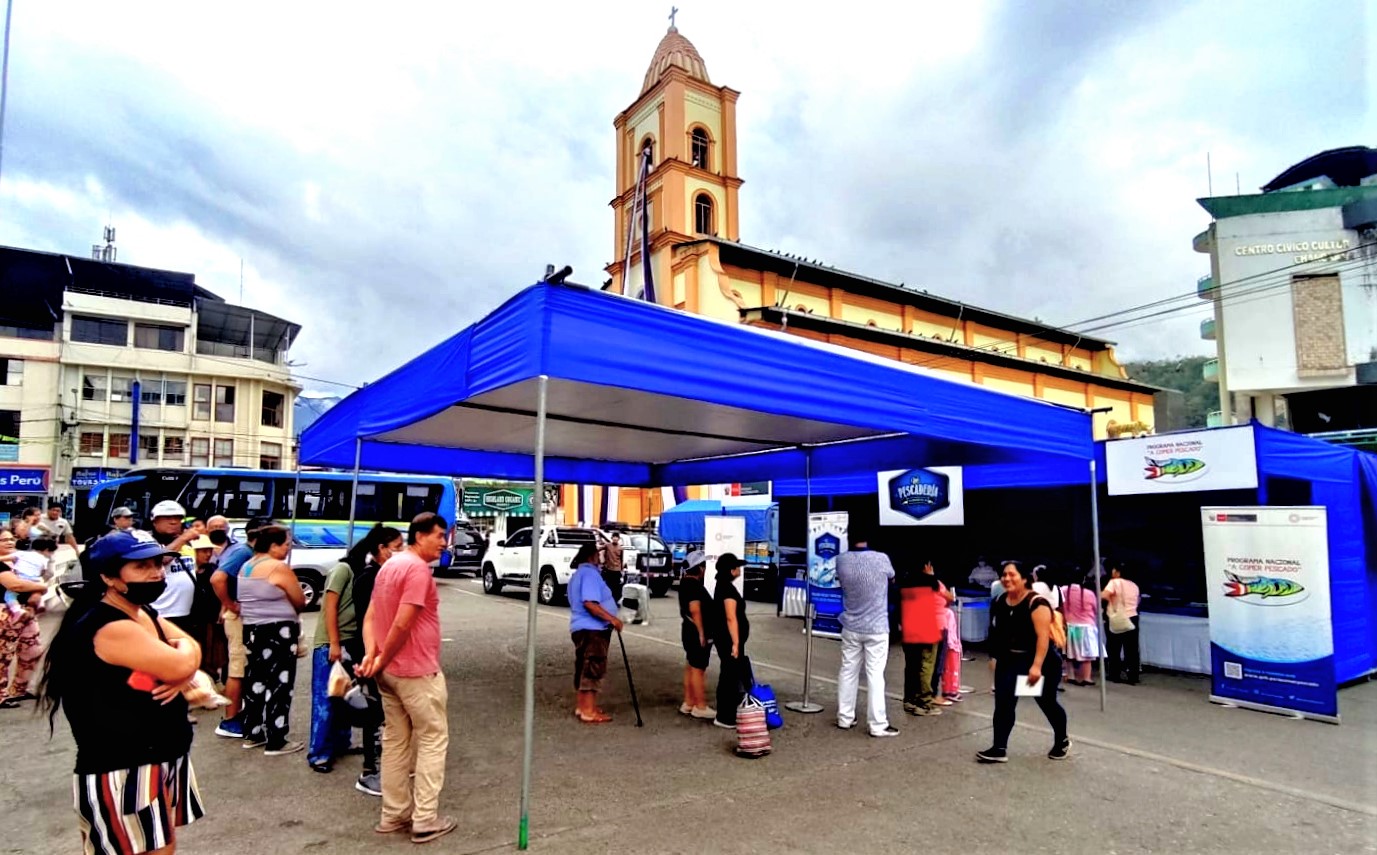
635,704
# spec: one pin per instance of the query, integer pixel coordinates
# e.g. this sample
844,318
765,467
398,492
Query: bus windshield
319,503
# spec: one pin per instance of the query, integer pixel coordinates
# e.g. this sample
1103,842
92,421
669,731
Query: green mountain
1185,375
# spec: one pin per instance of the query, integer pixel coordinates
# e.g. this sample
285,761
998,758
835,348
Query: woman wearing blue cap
118,670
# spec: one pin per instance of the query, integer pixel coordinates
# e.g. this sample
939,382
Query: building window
200,451
698,147
9,427
224,403
270,455
121,389
174,393
201,401
11,371
148,448
150,392
702,214
92,443
100,331
93,387
31,333
274,403
174,449
156,337
119,445
224,452
647,144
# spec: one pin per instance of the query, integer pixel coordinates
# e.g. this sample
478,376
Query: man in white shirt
865,577
983,575
54,526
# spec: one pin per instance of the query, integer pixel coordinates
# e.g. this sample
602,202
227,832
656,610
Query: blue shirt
232,560
587,585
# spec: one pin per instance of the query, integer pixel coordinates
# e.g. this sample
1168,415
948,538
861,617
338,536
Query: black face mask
144,593
218,537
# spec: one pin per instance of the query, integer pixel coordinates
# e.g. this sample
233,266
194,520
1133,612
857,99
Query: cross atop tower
673,10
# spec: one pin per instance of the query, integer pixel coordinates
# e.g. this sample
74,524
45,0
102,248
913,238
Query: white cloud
389,174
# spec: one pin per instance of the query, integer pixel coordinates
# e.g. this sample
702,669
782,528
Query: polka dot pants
269,680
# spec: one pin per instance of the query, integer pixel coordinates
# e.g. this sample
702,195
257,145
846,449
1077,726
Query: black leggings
733,681
1009,669
269,681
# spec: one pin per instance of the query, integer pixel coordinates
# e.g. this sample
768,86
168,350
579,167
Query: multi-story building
698,263
1293,282
108,367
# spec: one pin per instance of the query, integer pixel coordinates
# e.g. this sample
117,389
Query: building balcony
1203,242
1204,287
1210,370
1214,418
1207,327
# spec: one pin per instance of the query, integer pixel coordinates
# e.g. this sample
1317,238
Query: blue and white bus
315,504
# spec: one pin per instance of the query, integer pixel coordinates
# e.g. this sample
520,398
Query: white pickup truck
508,563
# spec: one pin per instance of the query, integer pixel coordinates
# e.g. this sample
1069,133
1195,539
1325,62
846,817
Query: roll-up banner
724,534
1271,630
827,538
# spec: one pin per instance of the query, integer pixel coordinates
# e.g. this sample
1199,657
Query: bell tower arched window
700,152
703,215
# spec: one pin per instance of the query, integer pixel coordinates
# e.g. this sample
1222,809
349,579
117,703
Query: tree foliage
1185,374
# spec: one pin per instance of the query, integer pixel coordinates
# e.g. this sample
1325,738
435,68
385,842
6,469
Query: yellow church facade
699,264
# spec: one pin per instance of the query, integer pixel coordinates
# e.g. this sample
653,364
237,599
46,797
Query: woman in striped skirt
117,671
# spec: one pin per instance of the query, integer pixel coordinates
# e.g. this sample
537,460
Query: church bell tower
690,190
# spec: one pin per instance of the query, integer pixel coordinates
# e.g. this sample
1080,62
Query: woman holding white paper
1020,641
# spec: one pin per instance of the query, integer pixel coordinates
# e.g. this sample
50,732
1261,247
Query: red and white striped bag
752,731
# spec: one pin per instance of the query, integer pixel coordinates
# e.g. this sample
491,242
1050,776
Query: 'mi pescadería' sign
927,496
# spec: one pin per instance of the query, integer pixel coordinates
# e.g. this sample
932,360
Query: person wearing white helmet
176,600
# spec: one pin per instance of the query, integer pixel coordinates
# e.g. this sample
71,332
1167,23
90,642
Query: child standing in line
951,675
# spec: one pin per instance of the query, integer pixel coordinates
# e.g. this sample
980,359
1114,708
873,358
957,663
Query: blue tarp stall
580,386
1341,479
683,523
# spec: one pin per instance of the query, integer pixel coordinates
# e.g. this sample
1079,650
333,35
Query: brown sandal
596,718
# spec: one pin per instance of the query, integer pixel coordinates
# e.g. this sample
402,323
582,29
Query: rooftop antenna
5,77
1209,175
241,280
1238,185
105,252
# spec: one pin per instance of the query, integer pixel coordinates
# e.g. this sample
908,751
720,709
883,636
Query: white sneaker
703,712
685,709
722,724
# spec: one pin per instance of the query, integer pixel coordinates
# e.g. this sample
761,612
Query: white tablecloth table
1178,642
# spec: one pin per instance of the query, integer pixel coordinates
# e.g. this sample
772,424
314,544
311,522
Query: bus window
202,498
419,498
323,500
284,499
367,505
243,499
309,501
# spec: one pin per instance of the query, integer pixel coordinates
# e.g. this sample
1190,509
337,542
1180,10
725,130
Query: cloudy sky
388,175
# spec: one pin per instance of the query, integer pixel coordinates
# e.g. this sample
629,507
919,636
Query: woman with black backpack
339,637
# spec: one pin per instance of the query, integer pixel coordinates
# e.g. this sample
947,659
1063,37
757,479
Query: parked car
646,557
468,547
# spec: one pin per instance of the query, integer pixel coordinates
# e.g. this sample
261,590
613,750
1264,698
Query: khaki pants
415,739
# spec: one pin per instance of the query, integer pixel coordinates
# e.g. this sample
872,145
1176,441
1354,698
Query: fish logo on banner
919,492
1174,469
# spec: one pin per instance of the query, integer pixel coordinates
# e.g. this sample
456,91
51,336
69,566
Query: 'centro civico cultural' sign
1305,250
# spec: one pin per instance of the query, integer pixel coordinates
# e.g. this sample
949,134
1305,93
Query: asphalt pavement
1161,769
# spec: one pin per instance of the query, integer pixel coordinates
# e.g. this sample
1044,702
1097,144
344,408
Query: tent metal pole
806,705
1095,542
523,832
354,489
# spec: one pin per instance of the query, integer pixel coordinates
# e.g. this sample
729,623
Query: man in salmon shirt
401,638
920,602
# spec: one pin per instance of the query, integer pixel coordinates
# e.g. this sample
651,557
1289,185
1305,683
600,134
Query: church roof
675,51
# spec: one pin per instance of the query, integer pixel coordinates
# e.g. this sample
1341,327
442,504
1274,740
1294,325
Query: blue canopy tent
574,385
